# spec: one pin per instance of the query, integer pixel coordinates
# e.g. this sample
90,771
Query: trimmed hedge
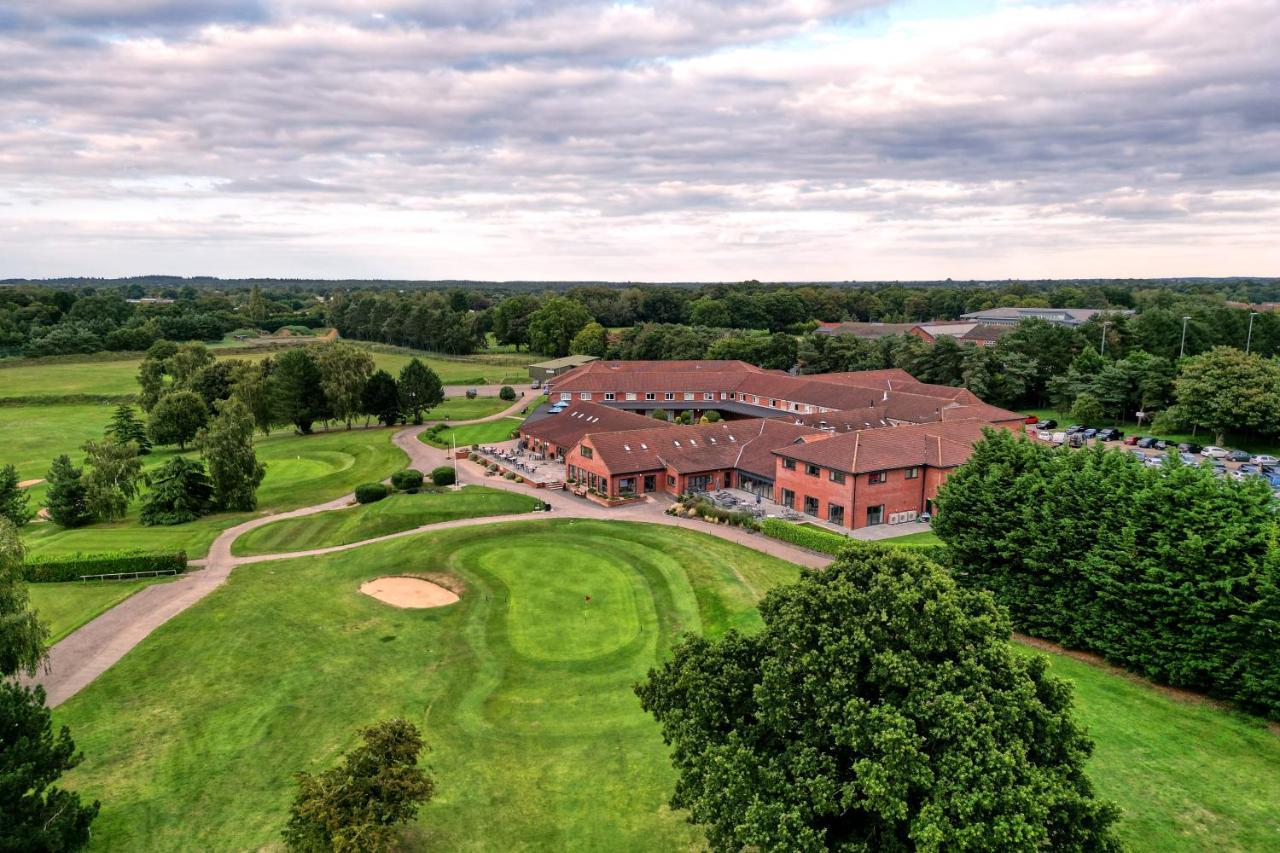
367,493
805,537
71,567
408,480
444,475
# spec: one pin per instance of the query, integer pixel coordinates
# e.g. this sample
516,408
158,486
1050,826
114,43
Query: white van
1059,437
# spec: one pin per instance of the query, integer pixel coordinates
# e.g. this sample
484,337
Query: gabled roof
567,361
745,444
939,445
568,427
866,331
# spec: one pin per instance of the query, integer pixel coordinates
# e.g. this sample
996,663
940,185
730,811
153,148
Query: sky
640,140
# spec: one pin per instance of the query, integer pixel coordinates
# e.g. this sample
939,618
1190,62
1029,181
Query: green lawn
110,375
64,607
301,471
390,515
30,436
462,409
523,689
928,537
489,432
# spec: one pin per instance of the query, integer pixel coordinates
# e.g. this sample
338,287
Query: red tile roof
567,428
939,445
746,444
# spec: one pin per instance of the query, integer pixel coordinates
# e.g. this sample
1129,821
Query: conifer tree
67,497
125,426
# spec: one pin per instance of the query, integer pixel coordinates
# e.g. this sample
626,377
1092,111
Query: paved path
89,651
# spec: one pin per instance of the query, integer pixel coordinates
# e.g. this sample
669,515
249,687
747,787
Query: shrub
367,493
806,537
473,457
492,466
510,475
507,393
408,480
471,393
443,476
71,567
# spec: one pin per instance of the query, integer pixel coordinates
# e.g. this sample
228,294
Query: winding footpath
74,662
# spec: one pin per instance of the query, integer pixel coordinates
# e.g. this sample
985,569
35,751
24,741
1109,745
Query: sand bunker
408,592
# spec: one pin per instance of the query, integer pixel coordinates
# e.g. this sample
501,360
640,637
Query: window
670,395
707,395
835,514
810,505
631,395
789,464
566,396
584,395
608,395
688,395
875,515
876,477
671,481
837,476
788,499
585,451
812,470
912,473
649,395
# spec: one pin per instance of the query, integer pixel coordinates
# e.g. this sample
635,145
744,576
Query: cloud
735,139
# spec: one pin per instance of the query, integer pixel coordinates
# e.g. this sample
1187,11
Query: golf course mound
409,593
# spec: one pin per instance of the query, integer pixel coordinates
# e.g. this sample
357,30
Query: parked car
1043,435
1075,428
1214,452
1139,454
1189,458
1110,434
1153,461
1131,439
1264,459
1047,425
1146,441
1089,433
1238,456
1059,437
537,383
1033,419
1075,439
1189,447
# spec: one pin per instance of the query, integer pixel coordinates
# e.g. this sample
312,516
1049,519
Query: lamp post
1249,338
1182,350
1102,350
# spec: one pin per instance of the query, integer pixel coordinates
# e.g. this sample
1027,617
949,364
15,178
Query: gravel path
89,651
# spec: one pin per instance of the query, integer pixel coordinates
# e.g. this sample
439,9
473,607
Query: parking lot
1226,461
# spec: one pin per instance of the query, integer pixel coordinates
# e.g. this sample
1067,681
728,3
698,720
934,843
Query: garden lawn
301,470
488,432
927,537
389,515
30,436
64,607
462,409
524,692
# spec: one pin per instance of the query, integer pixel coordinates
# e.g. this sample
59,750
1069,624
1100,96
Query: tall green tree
125,426
112,479
21,634
1228,389
176,418
590,340
180,492
880,708
358,805
420,389
34,814
256,306
511,319
344,370
234,469
553,326
252,385
296,394
14,499
382,398
67,498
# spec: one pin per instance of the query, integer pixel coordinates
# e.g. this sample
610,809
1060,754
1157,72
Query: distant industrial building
1058,316
545,370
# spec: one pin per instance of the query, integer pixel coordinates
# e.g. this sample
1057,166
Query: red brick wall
857,493
819,487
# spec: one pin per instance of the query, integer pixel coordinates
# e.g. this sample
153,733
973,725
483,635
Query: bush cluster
71,567
443,476
367,493
805,537
1168,571
507,393
692,507
408,480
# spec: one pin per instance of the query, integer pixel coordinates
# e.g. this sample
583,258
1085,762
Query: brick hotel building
854,449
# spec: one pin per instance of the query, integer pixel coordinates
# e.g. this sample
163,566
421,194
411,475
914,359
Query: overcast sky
640,139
